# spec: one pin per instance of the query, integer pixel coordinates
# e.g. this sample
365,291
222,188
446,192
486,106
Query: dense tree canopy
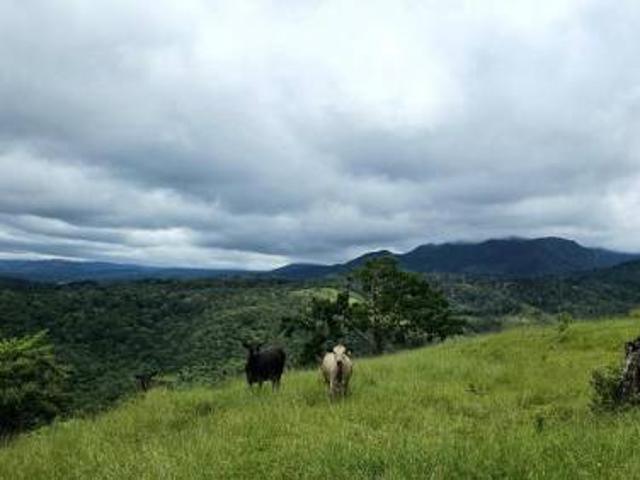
191,331
32,382
380,303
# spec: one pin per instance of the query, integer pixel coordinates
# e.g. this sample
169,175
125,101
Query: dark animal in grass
145,380
263,366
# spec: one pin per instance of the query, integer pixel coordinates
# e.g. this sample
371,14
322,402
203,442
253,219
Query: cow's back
271,362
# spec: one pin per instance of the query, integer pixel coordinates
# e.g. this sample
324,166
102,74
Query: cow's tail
339,370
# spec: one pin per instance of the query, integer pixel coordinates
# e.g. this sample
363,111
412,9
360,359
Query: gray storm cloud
251,134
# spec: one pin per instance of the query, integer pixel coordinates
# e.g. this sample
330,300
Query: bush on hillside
564,320
32,383
605,382
620,385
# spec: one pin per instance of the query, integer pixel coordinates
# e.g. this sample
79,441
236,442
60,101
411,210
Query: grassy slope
511,405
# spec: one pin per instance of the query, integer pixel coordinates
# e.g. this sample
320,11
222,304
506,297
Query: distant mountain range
65,271
511,257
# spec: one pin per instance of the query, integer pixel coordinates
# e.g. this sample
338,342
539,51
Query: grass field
509,405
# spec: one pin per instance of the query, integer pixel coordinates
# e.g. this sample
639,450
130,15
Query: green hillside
509,405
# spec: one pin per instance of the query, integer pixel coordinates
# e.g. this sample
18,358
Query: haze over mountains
513,257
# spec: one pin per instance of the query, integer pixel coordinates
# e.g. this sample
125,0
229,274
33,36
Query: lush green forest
490,302
191,330
107,334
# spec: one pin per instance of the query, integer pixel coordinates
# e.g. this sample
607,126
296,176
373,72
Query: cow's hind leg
333,389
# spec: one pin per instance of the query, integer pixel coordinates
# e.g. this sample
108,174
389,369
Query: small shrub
606,388
476,389
564,322
204,408
538,423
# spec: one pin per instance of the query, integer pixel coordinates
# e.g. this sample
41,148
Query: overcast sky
255,133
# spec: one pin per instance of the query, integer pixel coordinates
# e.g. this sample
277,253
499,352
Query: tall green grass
510,405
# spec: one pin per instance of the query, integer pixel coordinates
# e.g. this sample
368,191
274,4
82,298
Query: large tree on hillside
381,305
398,306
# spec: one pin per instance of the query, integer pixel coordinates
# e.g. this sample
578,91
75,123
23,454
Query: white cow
336,369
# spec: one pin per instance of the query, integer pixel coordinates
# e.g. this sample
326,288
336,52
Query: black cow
264,366
145,379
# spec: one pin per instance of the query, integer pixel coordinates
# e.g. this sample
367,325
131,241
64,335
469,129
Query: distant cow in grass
336,369
264,365
144,380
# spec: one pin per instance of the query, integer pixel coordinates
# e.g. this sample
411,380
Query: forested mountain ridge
512,257
500,257
613,290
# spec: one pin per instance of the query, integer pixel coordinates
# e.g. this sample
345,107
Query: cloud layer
254,133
